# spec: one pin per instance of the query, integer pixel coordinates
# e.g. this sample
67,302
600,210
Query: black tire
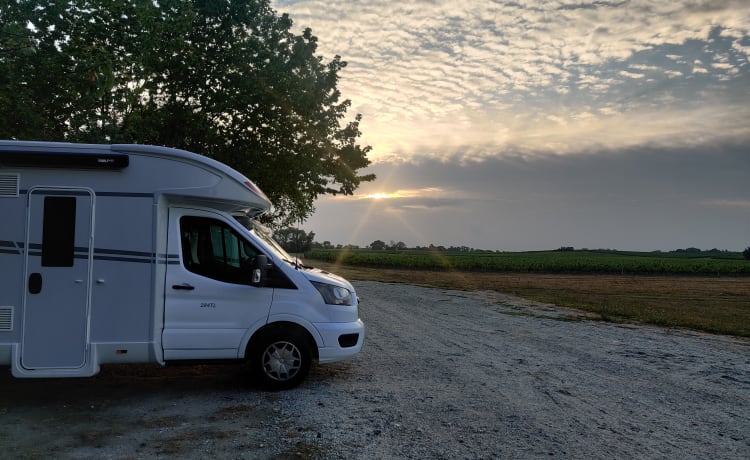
281,359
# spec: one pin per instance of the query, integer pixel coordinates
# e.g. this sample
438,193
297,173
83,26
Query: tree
746,253
225,78
378,245
294,239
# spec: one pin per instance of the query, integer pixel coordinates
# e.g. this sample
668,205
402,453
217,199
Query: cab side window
212,249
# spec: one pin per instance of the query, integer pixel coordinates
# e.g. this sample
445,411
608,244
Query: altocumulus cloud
484,78
531,125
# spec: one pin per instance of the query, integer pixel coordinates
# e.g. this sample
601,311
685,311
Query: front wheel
281,359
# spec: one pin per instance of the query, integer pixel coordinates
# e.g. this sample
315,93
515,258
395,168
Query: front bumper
336,334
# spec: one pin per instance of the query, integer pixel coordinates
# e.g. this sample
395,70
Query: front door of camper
210,304
58,254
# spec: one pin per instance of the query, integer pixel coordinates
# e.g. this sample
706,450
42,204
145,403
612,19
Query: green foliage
378,245
294,240
227,79
544,261
746,253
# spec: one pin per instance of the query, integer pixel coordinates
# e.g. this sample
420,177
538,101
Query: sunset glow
403,194
379,196
538,124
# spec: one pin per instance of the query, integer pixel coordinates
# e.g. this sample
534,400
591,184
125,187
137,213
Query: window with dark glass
212,249
58,231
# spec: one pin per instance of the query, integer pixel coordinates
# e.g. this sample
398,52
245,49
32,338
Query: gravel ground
443,374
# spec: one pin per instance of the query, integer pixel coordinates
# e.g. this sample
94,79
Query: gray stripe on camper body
119,255
8,247
126,195
125,259
123,252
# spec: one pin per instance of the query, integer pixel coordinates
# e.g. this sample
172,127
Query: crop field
688,292
600,261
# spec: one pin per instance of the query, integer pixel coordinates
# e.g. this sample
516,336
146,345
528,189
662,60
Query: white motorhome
135,253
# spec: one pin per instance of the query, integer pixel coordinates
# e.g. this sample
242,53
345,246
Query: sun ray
376,202
362,221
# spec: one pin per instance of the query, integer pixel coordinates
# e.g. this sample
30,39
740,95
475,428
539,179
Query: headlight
333,295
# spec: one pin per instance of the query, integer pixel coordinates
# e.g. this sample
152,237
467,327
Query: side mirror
259,270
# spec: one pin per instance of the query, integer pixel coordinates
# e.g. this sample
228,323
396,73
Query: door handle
183,287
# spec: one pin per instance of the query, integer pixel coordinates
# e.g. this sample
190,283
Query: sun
379,196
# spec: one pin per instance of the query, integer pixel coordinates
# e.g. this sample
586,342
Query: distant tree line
379,245
690,250
297,241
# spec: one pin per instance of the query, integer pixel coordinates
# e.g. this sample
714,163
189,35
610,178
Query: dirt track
444,374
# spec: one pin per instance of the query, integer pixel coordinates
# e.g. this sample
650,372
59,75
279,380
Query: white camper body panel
94,268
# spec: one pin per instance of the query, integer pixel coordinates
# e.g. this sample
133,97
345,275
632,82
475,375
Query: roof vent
6,319
9,185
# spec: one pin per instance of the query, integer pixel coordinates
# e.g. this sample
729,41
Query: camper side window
58,231
212,249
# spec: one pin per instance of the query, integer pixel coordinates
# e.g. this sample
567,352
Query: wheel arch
276,328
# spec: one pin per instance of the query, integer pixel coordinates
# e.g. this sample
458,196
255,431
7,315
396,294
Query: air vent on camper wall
8,184
6,319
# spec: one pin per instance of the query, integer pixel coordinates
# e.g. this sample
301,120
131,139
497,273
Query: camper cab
134,254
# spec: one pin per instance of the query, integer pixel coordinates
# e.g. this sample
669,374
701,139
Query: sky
533,124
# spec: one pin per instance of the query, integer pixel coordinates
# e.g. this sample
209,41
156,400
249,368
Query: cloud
539,124
639,199
440,78
740,204
425,199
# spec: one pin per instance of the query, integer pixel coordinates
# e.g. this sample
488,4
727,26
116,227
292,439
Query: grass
719,305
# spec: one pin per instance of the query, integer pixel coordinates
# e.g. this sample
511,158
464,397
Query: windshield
264,234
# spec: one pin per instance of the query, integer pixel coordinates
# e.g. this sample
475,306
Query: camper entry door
59,235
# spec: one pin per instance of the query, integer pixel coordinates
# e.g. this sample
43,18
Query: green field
709,303
719,263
